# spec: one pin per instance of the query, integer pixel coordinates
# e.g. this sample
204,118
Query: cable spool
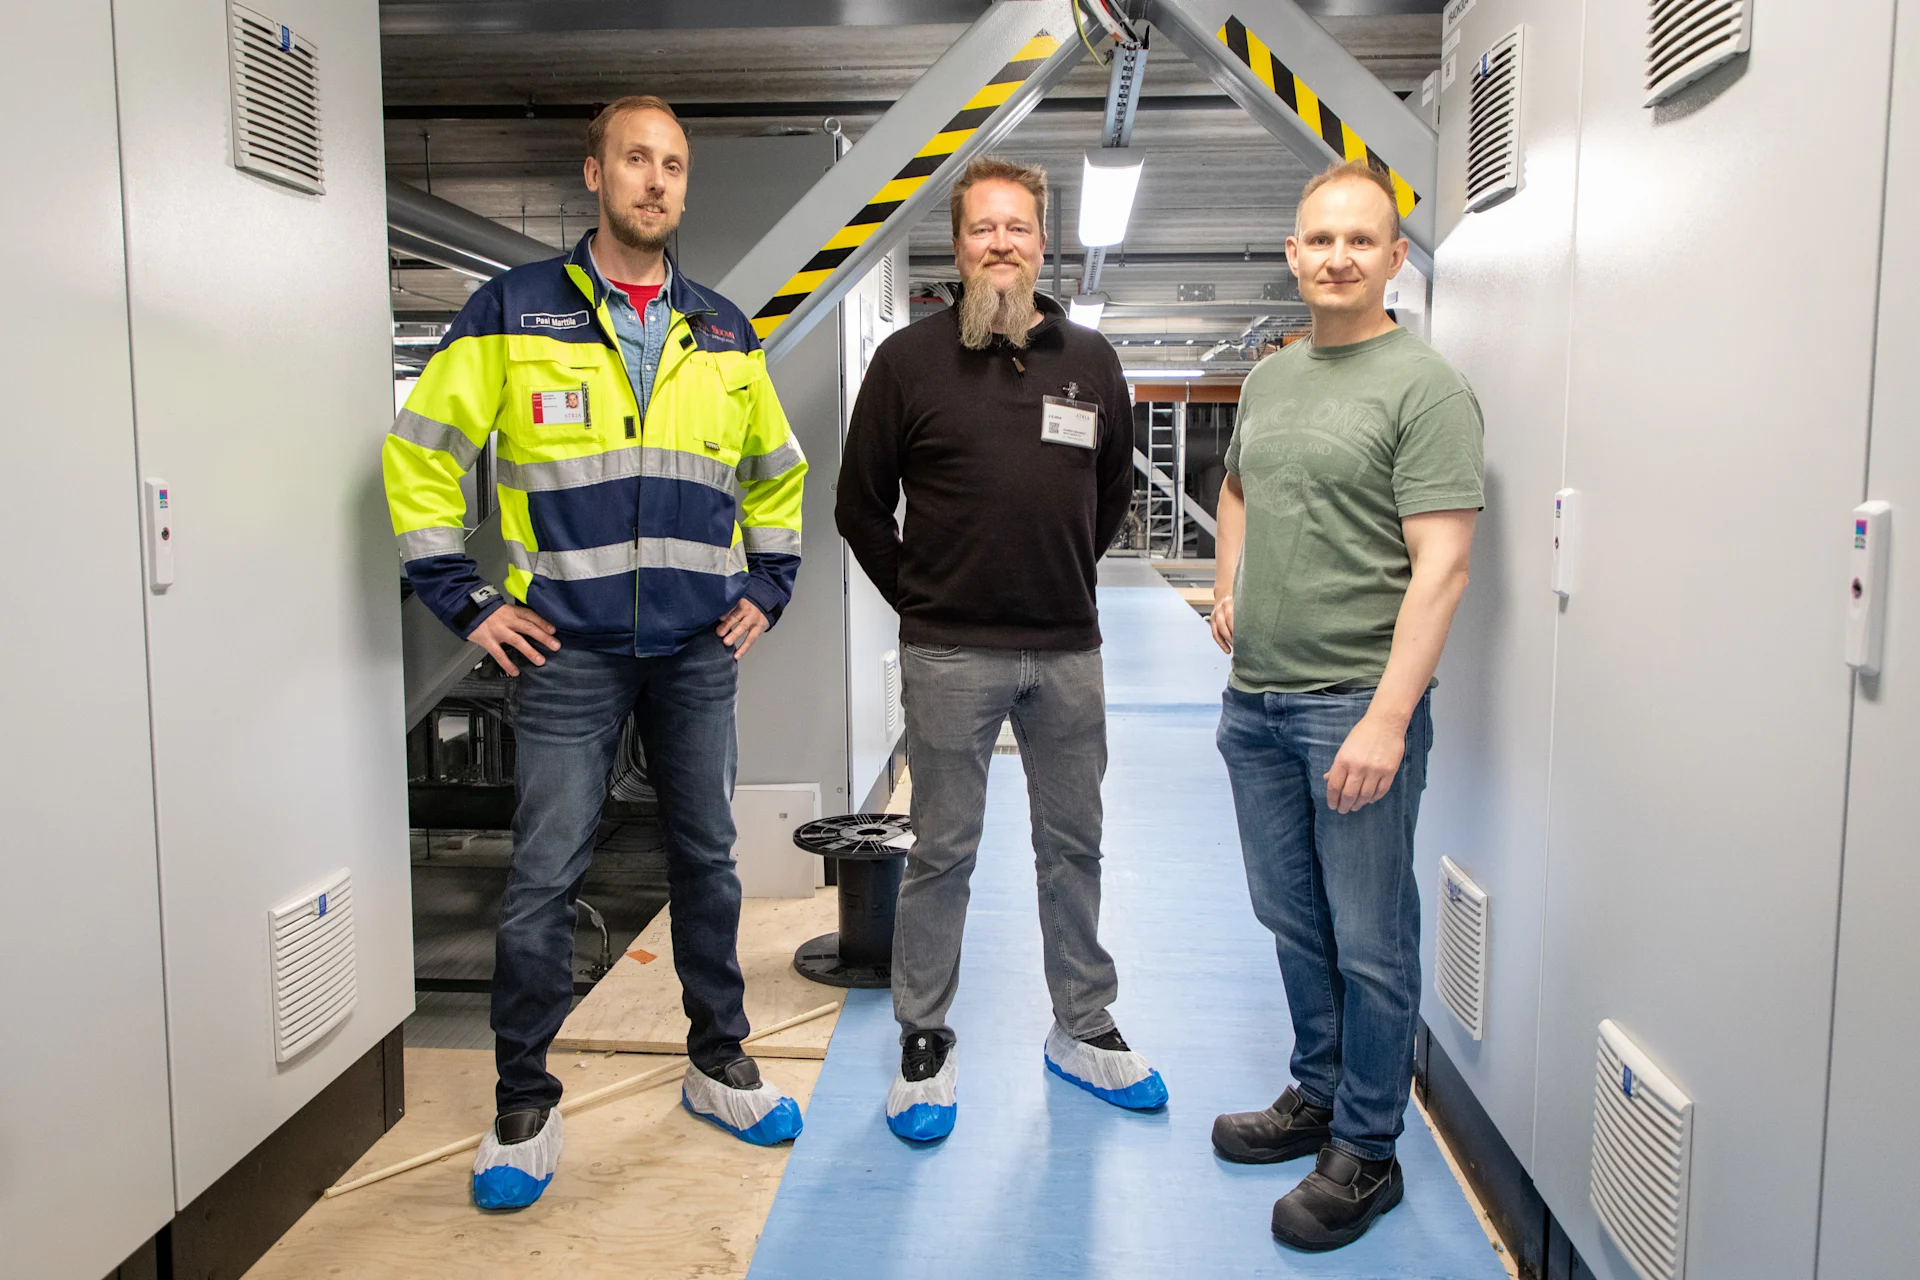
869,852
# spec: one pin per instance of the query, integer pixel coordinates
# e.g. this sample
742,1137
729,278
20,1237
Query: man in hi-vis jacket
649,495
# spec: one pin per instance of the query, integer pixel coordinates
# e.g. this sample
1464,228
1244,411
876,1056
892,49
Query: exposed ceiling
487,101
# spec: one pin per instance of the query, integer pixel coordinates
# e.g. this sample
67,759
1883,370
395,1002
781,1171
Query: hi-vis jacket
628,532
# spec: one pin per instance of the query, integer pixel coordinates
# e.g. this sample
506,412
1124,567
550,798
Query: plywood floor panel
644,1189
636,1007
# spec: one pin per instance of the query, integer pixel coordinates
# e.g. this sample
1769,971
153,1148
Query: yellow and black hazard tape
863,224
1306,104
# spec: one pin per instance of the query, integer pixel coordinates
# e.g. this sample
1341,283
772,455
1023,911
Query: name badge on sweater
1073,422
561,408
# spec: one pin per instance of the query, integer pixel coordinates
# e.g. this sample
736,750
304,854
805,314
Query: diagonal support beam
966,103
1311,94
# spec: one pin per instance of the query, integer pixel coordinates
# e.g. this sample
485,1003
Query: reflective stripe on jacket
629,536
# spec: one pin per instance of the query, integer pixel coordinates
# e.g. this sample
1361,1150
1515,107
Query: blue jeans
1338,892
567,721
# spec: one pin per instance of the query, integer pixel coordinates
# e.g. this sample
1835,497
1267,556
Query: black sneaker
1336,1203
1290,1128
741,1073
510,1127
922,1056
1110,1040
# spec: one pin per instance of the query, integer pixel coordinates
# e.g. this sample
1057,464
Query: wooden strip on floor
636,1007
644,1188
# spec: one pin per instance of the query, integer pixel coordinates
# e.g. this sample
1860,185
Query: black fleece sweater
1002,529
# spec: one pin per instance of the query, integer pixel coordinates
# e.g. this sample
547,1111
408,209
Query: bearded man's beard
629,231
985,310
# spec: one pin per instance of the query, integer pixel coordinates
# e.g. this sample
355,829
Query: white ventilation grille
1688,38
893,716
886,288
1493,124
311,939
276,101
1460,969
1642,1147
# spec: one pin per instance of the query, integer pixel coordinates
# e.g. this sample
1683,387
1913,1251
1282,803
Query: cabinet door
1719,398
262,358
1876,1022
87,1171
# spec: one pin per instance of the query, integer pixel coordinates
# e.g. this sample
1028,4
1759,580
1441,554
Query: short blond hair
597,129
995,169
1351,171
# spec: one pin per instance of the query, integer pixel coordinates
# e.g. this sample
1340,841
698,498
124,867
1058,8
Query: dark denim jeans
567,722
1338,892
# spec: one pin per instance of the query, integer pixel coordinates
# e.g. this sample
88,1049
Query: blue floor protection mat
1040,1180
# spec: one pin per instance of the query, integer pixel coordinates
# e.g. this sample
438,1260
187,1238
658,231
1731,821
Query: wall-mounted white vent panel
311,941
276,101
1688,38
1493,124
886,287
893,717
1642,1154
1460,968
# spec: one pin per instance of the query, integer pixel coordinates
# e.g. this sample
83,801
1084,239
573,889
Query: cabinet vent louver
1688,38
894,721
276,101
886,288
1642,1150
311,941
1493,124
1460,967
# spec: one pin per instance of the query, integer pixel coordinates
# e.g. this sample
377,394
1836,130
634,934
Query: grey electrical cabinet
208,911
1659,777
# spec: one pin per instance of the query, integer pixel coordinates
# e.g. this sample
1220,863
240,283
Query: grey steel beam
1373,114
844,108
480,245
432,658
1164,482
534,17
1127,65
435,254
875,186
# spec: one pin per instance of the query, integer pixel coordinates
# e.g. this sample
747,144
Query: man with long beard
1011,432
650,502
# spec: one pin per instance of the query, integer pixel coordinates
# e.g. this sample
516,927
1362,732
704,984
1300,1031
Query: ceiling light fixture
1108,182
1086,309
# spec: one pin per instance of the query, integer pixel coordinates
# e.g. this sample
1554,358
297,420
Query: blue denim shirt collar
642,338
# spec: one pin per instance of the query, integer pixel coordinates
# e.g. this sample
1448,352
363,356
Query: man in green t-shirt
1346,519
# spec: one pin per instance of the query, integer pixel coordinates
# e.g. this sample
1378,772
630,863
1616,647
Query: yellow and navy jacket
628,532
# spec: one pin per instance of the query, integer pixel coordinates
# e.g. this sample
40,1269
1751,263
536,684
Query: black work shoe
510,1127
741,1073
1292,1127
1109,1040
922,1056
1336,1203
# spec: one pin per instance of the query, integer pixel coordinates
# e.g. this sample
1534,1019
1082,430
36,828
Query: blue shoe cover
924,1110
512,1175
1122,1078
761,1116
923,1122
505,1187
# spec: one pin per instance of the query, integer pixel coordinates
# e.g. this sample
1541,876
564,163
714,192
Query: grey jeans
955,701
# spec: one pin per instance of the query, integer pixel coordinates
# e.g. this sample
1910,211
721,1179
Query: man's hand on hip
1366,765
514,626
1221,620
741,626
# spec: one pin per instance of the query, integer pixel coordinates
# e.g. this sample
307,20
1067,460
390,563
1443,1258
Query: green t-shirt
1333,446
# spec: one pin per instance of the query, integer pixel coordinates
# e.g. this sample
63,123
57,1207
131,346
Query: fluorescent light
1107,185
1086,308
1144,375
